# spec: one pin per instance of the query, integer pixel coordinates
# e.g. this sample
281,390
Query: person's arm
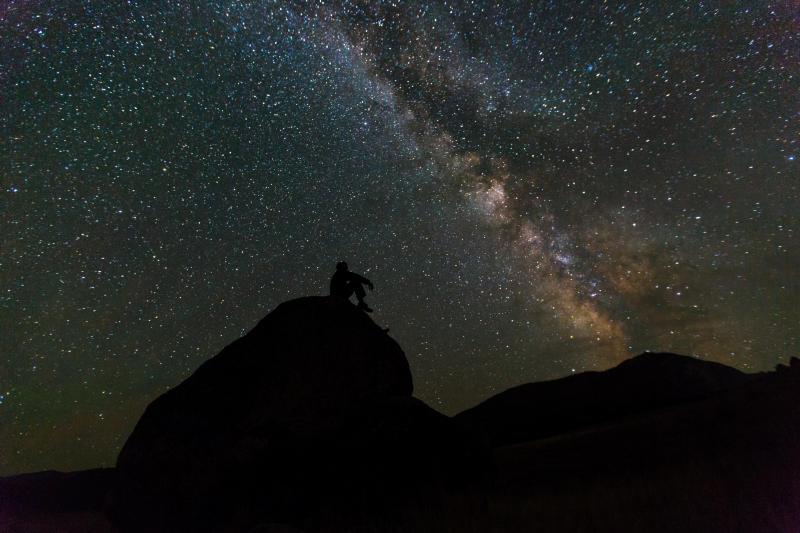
362,280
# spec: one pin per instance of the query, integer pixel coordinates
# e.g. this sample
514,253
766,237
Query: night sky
535,189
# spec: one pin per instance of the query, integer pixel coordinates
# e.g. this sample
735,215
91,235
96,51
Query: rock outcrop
311,410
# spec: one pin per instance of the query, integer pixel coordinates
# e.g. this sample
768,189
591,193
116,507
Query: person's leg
359,290
349,289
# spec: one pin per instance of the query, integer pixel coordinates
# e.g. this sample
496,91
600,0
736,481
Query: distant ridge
643,383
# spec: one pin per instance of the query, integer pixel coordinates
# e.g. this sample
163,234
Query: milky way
536,189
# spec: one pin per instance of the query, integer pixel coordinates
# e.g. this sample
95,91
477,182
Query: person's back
339,284
344,283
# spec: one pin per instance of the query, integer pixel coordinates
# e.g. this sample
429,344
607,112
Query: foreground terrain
317,430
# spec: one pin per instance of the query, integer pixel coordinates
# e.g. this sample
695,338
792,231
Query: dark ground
727,463
662,443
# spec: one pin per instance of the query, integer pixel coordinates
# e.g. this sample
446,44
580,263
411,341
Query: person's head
341,266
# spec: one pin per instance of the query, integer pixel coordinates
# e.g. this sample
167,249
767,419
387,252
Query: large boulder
310,409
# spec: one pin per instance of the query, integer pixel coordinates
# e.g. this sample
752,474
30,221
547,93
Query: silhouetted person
344,283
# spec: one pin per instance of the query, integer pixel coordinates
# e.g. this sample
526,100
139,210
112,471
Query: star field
534,188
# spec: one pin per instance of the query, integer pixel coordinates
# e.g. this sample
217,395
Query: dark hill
55,501
644,383
312,409
726,462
